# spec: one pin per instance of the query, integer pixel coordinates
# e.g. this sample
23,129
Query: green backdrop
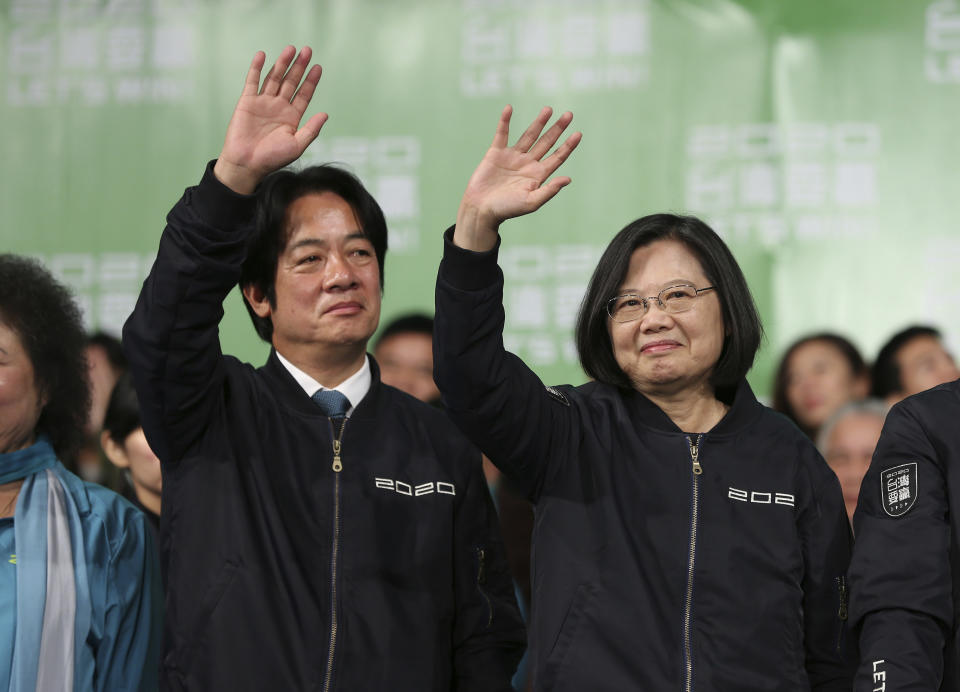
819,137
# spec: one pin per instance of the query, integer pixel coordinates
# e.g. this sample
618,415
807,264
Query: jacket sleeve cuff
467,270
215,202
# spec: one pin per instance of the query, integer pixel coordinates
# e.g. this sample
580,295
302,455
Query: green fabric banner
819,138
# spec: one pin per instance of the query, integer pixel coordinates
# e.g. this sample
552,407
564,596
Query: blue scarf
53,597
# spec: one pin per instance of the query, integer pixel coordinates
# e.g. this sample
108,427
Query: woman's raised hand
513,180
264,133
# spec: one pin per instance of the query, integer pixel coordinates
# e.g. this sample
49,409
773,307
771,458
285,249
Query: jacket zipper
337,467
481,580
842,610
688,604
842,588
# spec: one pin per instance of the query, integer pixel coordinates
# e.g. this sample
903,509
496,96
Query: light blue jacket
118,634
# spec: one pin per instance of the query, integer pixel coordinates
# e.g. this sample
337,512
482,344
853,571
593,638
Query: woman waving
686,536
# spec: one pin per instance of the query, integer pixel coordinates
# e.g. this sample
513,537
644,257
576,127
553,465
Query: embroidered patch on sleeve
557,395
898,489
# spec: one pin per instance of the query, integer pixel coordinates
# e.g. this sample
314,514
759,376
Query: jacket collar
293,395
744,409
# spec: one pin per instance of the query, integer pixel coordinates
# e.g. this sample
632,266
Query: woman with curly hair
79,583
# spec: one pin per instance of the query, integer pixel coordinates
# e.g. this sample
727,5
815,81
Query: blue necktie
332,403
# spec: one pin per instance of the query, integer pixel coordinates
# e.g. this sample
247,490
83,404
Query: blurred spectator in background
80,601
817,375
847,441
126,447
105,363
404,352
912,361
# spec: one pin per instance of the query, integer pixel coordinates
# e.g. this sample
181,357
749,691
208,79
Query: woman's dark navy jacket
646,575
281,573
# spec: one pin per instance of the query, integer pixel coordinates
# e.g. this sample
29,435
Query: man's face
327,286
924,363
406,362
849,451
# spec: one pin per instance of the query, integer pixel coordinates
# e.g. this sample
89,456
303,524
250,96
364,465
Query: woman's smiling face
662,353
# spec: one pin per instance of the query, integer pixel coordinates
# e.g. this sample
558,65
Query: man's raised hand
264,133
512,181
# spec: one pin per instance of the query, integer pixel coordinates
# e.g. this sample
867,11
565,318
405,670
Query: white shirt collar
354,387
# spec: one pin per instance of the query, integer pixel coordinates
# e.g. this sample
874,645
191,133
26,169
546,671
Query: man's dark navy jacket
281,573
905,572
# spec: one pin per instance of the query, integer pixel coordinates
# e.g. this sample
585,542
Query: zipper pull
695,455
337,466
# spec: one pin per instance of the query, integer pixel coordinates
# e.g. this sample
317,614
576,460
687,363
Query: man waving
320,529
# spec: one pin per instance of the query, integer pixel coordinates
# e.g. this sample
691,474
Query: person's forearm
241,180
475,230
901,648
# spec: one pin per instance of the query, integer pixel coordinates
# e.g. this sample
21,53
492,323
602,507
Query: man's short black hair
741,320
123,410
48,322
274,196
412,322
843,345
885,375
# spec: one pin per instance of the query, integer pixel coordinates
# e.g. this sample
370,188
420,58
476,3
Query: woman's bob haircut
741,320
